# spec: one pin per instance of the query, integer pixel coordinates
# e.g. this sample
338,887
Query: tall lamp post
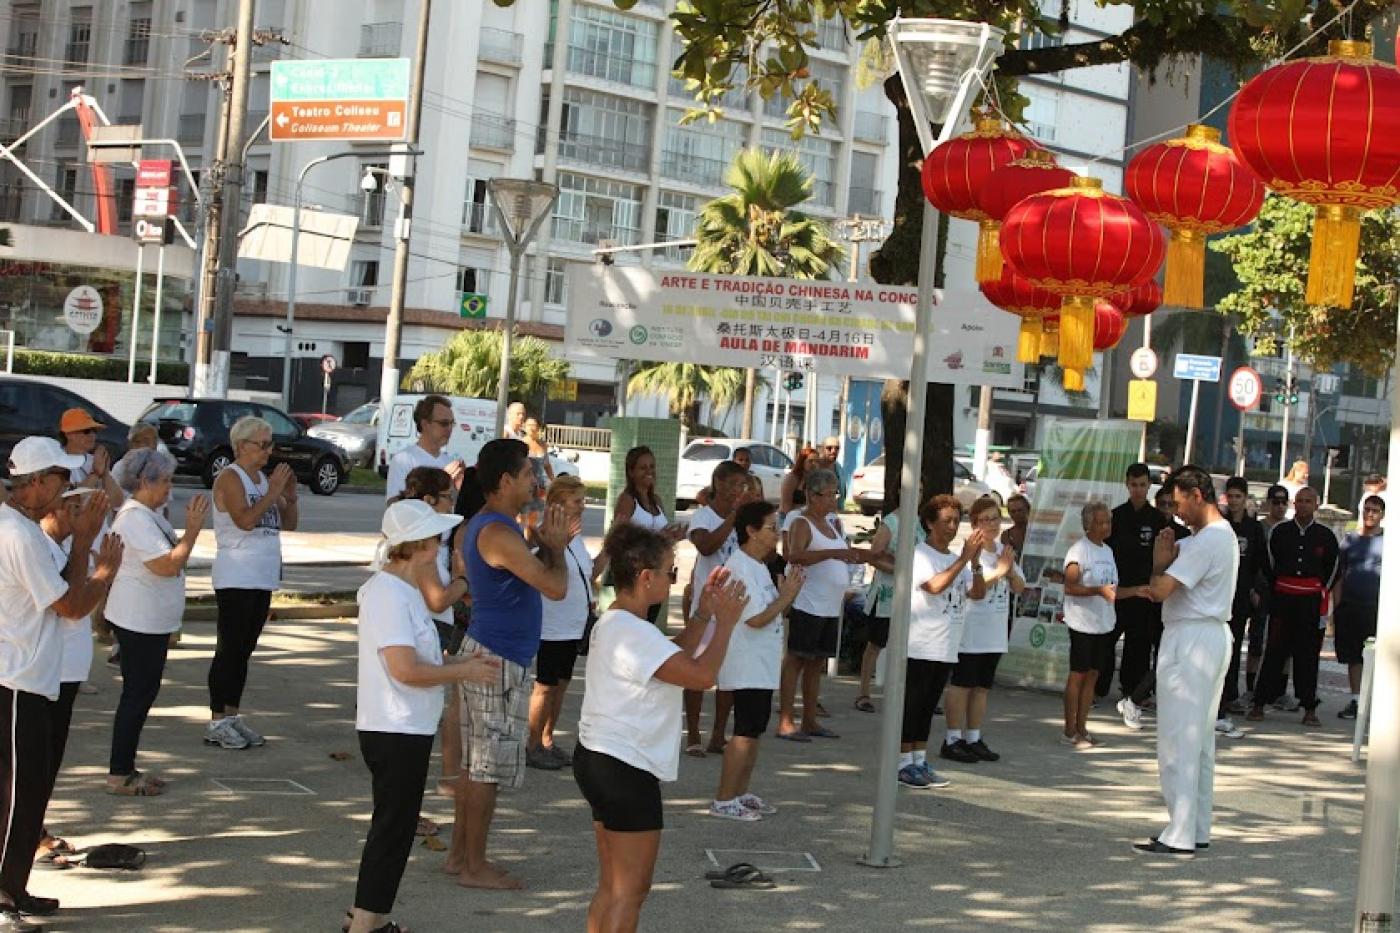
521,206
940,62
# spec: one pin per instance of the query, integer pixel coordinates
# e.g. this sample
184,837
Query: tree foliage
1271,265
469,365
684,385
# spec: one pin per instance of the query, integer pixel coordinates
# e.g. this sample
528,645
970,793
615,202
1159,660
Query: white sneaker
757,804
1132,715
224,734
1226,727
734,810
254,739
1288,703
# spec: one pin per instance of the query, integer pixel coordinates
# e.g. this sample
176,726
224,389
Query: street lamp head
521,205
940,62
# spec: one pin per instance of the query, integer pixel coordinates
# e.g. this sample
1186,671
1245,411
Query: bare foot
453,865
447,787
490,878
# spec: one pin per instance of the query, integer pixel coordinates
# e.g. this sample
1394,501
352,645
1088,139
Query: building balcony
478,218
591,63
13,128
592,233
871,127
600,150
500,46
381,40
493,132
369,207
191,128
697,170
736,98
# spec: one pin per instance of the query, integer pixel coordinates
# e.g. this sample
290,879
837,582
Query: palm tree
685,384
469,365
756,230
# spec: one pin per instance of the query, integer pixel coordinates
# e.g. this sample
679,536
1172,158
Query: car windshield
362,415
169,411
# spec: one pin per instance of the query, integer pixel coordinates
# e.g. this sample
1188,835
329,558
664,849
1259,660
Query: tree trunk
897,263
750,390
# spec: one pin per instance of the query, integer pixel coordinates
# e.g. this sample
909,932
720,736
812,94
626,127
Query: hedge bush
83,366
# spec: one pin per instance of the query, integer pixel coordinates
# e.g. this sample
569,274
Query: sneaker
980,749
224,734
734,810
541,757
12,921
1132,716
564,758
1158,848
757,804
933,777
1225,726
1348,711
254,739
958,751
34,906
909,776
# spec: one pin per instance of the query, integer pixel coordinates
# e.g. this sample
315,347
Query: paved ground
1039,841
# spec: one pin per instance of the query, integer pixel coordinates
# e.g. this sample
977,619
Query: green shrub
83,366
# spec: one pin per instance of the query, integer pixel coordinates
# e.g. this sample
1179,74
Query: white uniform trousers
1191,666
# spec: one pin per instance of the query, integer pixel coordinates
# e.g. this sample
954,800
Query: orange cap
75,419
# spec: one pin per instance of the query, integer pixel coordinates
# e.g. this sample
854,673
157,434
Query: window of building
137,47
24,39
700,153
602,129
818,155
675,220
364,273
864,197
605,44
828,75
474,280
477,215
66,187
590,210
21,103
126,195
258,186
1042,113
355,354
79,45
556,282
371,203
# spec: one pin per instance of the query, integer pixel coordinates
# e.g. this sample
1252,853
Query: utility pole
212,182
857,230
393,327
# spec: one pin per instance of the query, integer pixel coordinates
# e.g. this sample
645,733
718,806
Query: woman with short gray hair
146,604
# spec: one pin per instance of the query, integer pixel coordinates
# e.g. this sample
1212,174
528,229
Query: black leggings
26,780
923,685
242,614
143,665
60,718
398,767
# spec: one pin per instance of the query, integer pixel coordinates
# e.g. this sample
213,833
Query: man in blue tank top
506,583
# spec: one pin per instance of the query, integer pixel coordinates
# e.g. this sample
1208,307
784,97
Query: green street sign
353,79
473,305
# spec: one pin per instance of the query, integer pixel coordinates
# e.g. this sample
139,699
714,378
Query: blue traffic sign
1200,368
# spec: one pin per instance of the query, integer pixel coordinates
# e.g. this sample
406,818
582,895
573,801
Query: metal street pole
160,298
393,327
507,340
136,313
1191,421
1239,448
1147,345
1380,816
1287,410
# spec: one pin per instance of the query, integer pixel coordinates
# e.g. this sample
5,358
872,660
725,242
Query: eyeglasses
444,422
261,445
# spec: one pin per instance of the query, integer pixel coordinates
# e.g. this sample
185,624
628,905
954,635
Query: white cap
37,454
414,520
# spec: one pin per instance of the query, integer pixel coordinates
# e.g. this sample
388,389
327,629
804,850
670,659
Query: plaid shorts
495,722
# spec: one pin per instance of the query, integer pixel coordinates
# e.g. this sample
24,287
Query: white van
476,424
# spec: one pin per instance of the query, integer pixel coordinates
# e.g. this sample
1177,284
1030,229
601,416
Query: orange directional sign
352,120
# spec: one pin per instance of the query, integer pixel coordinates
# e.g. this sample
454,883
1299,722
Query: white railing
575,438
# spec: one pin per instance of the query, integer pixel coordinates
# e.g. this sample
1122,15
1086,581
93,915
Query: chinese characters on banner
830,328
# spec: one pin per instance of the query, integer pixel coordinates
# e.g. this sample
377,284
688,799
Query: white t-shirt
707,519
627,713
403,462
823,591
393,614
76,633
935,622
1091,615
755,655
31,642
142,601
984,620
1206,566
564,619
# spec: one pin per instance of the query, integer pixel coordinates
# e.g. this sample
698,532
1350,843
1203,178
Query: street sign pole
1191,421
135,314
155,327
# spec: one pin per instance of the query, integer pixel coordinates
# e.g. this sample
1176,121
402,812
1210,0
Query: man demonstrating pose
1357,594
1136,524
1195,582
1303,563
1249,534
507,619
433,418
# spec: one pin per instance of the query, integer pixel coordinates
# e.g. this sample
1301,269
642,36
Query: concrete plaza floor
1038,841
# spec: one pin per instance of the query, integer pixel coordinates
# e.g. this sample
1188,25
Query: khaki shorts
495,722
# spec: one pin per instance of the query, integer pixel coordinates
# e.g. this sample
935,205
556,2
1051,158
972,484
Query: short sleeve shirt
707,519
403,462
755,655
1091,615
1206,565
936,621
142,601
984,620
627,713
31,643
393,614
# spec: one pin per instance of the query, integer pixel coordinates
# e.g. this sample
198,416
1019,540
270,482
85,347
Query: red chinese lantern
1032,173
1015,294
1110,324
1081,243
1193,186
956,171
1140,300
1324,131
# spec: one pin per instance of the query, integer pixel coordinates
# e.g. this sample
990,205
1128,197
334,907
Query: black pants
143,664
60,718
242,614
1239,621
1141,623
923,685
398,767
1293,632
26,780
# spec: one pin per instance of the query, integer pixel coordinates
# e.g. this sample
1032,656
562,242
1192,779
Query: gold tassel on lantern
989,261
1077,332
1028,346
1050,339
1186,269
1074,380
1335,247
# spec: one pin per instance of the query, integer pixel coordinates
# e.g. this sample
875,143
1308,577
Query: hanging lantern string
991,94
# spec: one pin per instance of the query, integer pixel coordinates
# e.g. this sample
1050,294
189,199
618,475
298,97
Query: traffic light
1286,391
794,382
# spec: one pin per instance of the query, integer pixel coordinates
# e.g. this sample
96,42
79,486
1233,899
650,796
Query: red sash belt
1303,586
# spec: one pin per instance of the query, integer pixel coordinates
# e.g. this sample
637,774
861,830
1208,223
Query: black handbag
592,615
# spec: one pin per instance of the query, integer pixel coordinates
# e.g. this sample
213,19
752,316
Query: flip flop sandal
58,862
391,927
822,732
715,749
743,876
135,785
695,751
151,779
59,846
864,705
721,873
793,736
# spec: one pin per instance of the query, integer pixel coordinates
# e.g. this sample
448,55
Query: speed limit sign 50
1246,388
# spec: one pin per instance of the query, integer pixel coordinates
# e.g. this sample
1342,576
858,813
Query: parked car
701,455
32,406
196,432
309,419
868,486
357,433
998,480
